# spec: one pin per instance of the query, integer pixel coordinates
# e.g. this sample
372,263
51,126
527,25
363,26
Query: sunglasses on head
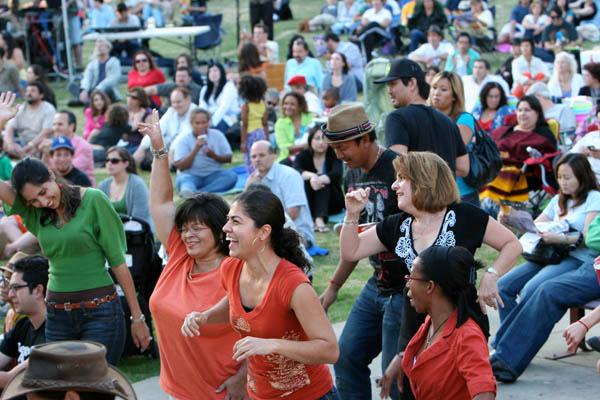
114,160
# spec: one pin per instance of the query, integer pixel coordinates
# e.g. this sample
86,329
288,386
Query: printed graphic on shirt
285,374
24,352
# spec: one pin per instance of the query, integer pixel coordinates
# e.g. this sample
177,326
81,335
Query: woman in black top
322,174
117,125
431,214
427,13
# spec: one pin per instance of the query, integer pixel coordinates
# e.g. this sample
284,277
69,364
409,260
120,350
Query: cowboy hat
69,365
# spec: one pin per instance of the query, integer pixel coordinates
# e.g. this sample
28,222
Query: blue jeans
528,326
331,395
105,325
417,38
218,181
525,279
373,326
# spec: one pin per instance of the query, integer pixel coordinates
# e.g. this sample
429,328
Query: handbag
484,159
548,254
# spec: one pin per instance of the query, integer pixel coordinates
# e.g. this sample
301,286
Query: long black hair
210,86
264,208
452,268
536,106
582,170
33,171
485,91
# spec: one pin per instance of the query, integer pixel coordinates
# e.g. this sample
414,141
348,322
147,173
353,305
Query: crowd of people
234,310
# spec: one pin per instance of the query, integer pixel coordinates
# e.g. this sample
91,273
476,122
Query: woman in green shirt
291,130
79,232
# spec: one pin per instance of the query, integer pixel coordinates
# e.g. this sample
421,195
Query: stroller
145,266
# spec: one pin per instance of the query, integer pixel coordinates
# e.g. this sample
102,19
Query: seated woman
591,79
322,173
338,77
12,53
95,114
220,98
532,131
577,204
372,29
448,357
292,128
535,22
138,106
144,73
127,192
583,11
565,81
117,125
492,107
479,25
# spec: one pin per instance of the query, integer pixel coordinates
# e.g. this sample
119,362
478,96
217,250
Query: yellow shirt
255,115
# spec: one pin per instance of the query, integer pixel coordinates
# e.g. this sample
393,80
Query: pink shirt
92,123
83,158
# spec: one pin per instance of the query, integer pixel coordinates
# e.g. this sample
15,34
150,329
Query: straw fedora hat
347,122
69,365
9,266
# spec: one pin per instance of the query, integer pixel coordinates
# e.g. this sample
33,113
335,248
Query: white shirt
313,103
556,91
542,20
520,66
225,107
380,17
591,139
427,52
473,89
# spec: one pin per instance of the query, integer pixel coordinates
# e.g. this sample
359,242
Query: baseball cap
297,80
62,142
403,68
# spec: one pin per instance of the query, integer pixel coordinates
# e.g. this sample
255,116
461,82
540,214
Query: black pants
324,202
262,12
372,39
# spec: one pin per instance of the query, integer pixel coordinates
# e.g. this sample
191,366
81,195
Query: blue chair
212,39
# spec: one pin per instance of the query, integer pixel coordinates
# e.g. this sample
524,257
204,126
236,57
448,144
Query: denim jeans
373,326
218,181
331,395
105,325
525,279
417,37
528,326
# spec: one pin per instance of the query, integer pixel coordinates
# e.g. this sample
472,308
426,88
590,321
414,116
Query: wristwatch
492,270
142,318
160,153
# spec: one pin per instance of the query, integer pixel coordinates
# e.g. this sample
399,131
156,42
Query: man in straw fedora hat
69,370
373,325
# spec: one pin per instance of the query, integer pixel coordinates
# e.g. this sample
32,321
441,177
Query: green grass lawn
138,368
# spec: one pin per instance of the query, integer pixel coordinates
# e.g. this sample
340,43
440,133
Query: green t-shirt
285,134
120,206
78,251
5,167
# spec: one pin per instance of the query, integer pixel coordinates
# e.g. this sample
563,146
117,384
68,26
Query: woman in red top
448,357
145,73
286,336
199,368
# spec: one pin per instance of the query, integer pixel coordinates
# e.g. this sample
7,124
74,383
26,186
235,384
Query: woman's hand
356,200
7,108
488,292
140,335
553,238
192,322
316,184
573,335
152,129
392,372
251,346
328,297
235,385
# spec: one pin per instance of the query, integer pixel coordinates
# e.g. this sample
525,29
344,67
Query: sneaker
594,343
502,372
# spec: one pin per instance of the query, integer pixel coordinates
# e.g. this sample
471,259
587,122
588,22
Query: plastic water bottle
535,153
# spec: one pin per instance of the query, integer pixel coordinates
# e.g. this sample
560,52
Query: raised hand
356,200
152,129
7,108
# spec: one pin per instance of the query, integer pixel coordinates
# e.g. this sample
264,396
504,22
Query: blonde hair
564,56
458,92
432,181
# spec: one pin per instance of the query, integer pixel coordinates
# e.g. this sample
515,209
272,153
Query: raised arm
162,206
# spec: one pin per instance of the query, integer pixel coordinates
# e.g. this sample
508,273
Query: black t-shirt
109,135
21,338
78,178
382,203
422,128
463,225
568,31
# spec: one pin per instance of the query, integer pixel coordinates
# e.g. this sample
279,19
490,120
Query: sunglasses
141,60
114,160
408,278
272,103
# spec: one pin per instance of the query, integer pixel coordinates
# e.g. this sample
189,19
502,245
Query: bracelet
142,318
334,283
350,222
160,153
587,328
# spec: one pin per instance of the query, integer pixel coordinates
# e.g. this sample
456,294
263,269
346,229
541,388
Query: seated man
183,78
61,156
474,83
286,183
27,291
69,370
31,125
298,84
101,15
562,113
463,58
435,51
559,33
302,64
198,156
125,49
102,73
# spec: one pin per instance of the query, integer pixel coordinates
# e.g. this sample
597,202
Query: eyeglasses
113,160
16,287
409,278
141,60
193,229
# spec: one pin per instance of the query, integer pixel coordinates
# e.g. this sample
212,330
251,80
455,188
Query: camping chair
275,76
212,39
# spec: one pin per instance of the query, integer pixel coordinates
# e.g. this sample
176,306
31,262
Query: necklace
430,338
212,266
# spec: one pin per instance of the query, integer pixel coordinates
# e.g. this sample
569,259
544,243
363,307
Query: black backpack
484,159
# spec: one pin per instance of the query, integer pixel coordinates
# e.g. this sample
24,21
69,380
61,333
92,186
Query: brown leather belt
68,306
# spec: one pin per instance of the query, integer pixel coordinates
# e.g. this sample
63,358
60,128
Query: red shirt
456,366
274,376
152,77
190,368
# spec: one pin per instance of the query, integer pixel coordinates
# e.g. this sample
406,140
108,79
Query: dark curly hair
302,105
252,88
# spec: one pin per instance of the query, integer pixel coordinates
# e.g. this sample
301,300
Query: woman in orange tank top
286,336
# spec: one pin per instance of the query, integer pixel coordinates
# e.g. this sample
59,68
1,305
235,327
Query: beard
31,101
